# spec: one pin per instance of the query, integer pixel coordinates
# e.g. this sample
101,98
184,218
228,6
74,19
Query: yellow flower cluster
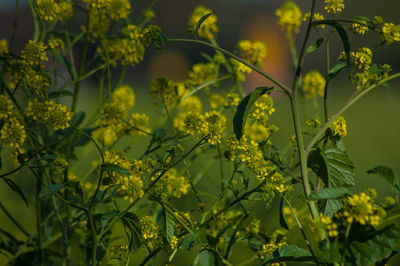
115,9
362,58
38,82
201,73
213,126
313,84
259,131
13,133
208,27
6,107
269,248
253,52
359,28
339,127
361,209
313,123
240,70
124,96
35,54
263,108
272,182
59,166
53,115
248,153
129,186
138,124
329,225
317,16
216,100
3,46
334,6
149,33
289,17
119,251
150,231
174,242
164,89
390,33
50,10
56,44
171,184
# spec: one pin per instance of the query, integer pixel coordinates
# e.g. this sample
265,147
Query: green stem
15,24
293,51
354,98
258,70
301,228
17,224
39,221
202,86
35,21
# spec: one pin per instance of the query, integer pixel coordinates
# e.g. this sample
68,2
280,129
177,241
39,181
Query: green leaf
374,249
336,69
49,191
16,188
329,193
332,206
169,226
342,33
314,46
361,18
65,63
207,257
77,119
290,253
388,175
333,166
330,252
134,233
242,111
200,22
114,168
190,240
282,218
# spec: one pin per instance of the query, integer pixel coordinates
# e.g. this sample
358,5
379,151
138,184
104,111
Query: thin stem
35,21
258,70
354,98
202,86
301,228
15,24
17,224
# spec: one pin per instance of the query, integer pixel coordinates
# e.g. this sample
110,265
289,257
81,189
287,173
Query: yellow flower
329,225
138,124
360,208
174,242
360,29
390,33
47,9
149,228
314,84
334,6
165,89
124,96
97,3
254,52
339,127
201,73
171,185
216,100
13,133
208,27
3,46
213,126
6,107
317,16
119,9
34,53
57,116
263,108
57,45
289,17
190,104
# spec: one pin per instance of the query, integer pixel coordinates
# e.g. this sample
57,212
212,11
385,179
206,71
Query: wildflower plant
185,184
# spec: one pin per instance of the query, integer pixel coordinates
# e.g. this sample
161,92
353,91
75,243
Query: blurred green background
373,122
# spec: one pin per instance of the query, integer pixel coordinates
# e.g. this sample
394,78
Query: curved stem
258,70
354,98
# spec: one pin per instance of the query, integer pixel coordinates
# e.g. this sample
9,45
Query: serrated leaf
329,193
336,69
49,191
342,33
200,22
374,249
290,253
16,188
169,226
242,111
282,218
333,166
388,175
115,168
314,46
134,233
332,206
190,240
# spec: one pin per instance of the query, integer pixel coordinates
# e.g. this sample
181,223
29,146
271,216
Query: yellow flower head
317,16
34,53
149,227
13,133
119,9
3,46
289,17
124,96
56,45
213,126
208,27
360,28
334,6
165,89
201,73
138,124
390,33
339,127
47,9
57,116
6,107
150,33
263,108
254,52
216,100
190,104
171,185
360,208
313,84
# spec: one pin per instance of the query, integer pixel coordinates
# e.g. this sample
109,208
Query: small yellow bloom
289,17
334,6
208,27
314,84
339,127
